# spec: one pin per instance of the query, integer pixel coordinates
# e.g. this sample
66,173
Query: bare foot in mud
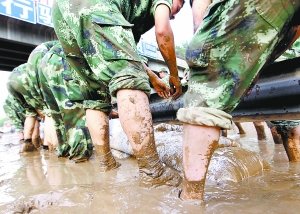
27,146
192,190
36,142
190,198
166,176
261,135
108,162
51,147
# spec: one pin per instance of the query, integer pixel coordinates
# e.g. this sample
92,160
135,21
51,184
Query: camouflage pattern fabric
33,81
59,83
18,87
235,40
15,112
284,126
23,83
99,39
292,52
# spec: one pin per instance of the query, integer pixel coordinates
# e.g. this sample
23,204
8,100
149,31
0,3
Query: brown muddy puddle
42,183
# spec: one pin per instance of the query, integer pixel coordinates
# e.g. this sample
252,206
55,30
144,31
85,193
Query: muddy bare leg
97,123
36,135
291,142
240,128
260,130
197,152
27,145
136,121
276,136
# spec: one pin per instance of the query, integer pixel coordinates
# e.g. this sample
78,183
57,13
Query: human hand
176,89
160,87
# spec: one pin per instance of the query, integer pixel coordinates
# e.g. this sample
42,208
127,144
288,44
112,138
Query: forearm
150,73
198,9
29,127
165,38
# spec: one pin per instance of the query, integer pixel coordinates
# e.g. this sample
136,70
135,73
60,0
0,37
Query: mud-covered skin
152,173
105,158
291,140
27,146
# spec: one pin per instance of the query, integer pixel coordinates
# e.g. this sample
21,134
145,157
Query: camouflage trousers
235,40
104,55
284,126
58,84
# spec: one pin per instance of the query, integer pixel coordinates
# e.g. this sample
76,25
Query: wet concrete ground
42,183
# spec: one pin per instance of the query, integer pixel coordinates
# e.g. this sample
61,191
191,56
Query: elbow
163,32
160,32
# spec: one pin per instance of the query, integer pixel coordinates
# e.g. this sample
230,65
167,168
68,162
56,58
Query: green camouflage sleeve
155,3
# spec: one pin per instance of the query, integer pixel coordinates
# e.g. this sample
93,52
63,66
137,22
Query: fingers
163,91
167,92
178,92
172,90
163,94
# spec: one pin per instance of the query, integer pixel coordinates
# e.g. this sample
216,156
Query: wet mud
230,162
42,183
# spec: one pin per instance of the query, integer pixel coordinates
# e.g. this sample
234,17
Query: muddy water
42,183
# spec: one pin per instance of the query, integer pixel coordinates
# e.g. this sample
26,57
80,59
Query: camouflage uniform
33,62
15,112
23,82
58,84
235,40
99,40
18,87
